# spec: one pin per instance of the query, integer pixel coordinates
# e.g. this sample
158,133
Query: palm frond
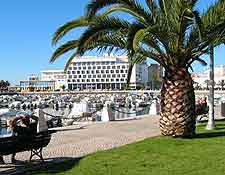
71,45
71,25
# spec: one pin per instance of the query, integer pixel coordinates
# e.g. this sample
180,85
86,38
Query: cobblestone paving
77,141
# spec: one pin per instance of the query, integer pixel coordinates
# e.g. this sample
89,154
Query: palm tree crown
172,32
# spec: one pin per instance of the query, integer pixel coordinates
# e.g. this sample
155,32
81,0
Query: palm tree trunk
177,116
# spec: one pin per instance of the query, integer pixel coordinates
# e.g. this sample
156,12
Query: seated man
22,127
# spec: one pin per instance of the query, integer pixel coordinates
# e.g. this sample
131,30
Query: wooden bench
35,144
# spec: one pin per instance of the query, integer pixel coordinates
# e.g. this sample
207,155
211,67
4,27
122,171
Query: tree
4,85
63,87
207,82
173,33
221,83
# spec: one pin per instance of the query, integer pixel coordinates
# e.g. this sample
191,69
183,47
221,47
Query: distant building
59,76
155,75
201,80
34,84
104,72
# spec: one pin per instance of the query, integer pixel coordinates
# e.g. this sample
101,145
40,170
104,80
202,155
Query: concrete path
77,141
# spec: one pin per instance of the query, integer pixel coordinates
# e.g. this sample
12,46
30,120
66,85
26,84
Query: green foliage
173,33
4,85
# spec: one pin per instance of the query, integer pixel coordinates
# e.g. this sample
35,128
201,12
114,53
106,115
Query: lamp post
211,119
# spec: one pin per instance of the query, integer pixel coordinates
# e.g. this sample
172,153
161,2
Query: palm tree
173,33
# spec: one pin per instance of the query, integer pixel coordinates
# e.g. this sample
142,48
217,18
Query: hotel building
104,72
59,76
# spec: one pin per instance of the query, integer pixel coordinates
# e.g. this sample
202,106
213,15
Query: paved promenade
76,141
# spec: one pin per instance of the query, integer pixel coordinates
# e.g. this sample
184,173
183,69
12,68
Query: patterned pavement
79,140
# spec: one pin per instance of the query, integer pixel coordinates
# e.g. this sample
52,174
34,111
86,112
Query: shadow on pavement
68,129
50,166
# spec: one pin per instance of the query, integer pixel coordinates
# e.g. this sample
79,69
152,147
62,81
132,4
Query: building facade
33,84
155,75
59,76
104,72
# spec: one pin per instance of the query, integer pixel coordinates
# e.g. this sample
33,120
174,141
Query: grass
204,154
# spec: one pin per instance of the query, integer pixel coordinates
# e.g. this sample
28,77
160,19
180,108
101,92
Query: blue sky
26,30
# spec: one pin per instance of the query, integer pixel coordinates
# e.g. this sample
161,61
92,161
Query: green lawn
203,155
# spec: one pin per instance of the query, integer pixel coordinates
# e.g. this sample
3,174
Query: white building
202,79
34,84
104,72
59,76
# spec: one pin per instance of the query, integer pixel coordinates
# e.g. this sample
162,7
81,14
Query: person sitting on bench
23,128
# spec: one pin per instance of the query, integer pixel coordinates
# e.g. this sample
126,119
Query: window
108,76
92,72
73,72
79,76
97,80
89,67
107,80
118,76
98,67
93,80
123,67
112,79
74,80
102,80
126,71
113,75
78,72
103,67
117,71
83,80
70,68
104,76
121,79
79,68
83,72
108,67
68,72
78,80
124,75
88,80
117,79
94,76
107,71
84,68
121,71
113,67
74,68
88,72
118,67
112,71
102,71
84,76
94,67
99,76
75,76
89,76
97,71
70,76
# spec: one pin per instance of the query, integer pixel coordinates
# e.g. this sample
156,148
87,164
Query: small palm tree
173,33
